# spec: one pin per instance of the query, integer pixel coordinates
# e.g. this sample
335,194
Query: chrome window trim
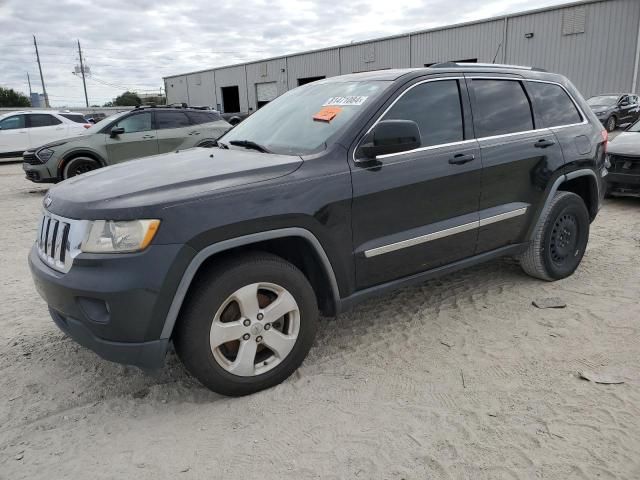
491,137
411,242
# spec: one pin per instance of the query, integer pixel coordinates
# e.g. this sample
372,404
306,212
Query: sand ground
459,378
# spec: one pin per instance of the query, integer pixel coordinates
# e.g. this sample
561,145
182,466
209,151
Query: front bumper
115,305
624,175
38,173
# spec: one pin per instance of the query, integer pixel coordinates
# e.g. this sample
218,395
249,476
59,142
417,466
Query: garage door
266,92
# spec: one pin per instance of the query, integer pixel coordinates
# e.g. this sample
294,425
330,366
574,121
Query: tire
78,166
246,363
560,239
611,124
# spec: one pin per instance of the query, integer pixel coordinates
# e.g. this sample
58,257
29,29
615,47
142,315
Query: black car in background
624,163
614,109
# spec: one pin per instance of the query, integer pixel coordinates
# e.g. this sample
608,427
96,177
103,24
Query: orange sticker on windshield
326,114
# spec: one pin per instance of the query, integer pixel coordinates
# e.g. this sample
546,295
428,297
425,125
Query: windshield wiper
249,144
224,146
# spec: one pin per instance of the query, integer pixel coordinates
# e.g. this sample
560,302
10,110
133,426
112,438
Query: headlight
44,154
109,236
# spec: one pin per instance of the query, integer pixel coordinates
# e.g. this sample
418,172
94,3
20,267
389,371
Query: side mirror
391,136
117,131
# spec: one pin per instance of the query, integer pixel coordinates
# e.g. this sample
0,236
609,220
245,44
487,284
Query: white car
20,131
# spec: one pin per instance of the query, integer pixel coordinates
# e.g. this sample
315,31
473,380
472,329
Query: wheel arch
79,153
583,182
297,245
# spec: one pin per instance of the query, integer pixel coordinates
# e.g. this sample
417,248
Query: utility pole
29,81
84,82
44,90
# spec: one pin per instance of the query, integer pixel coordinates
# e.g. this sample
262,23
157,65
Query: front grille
30,157
624,164
59,240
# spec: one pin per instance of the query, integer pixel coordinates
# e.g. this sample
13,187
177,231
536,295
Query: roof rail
485,65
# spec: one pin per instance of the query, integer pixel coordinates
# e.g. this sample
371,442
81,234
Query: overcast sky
132,44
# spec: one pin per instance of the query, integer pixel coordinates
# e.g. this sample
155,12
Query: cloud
133,44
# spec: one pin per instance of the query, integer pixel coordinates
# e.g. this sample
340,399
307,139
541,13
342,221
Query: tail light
88,125
605,139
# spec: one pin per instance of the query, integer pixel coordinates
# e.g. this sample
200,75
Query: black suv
334,192
615,109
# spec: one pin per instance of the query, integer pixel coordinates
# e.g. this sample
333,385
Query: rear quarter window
500,107
74,118
203,117
552,104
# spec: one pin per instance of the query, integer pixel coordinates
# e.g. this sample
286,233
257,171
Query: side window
436,108
552,104
140,122
37,120
12,123
501,107
166,120
74,117
203,117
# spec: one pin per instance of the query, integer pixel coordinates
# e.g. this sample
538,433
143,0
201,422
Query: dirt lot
460,378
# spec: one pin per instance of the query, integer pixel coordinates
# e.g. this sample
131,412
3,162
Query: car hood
78,137
135,188
626,143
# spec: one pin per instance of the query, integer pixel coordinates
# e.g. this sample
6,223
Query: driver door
138,140
14,136
417,210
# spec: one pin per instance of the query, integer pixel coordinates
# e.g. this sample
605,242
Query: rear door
417,210
45,128
173,129
518,158
138,140
14,136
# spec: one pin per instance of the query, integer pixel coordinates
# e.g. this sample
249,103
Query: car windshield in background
635,128
603,100
304,120
96,127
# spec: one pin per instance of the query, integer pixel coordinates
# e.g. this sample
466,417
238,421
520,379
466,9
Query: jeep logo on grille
47,201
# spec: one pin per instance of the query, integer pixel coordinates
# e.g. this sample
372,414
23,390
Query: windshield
304,120
635,127
96,127
603,100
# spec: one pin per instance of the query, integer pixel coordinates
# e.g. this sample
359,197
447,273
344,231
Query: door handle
148,136
194,133
461,158
544,143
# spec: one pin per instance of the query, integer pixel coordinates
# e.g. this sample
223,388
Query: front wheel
611,124
78,166
247,325
560,239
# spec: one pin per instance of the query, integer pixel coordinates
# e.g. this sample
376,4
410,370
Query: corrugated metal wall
600,59
262,72
481,41
392,53
202,90
229,77
324,63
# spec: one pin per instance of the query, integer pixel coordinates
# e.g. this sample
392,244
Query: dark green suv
133,134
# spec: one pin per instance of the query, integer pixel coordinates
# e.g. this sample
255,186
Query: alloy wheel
255,329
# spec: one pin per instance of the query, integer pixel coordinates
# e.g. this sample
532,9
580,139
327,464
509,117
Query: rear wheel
560,239
78,166
248,324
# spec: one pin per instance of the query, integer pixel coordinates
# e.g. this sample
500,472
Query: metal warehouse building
595,43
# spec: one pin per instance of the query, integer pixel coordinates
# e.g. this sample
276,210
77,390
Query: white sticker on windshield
345,101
